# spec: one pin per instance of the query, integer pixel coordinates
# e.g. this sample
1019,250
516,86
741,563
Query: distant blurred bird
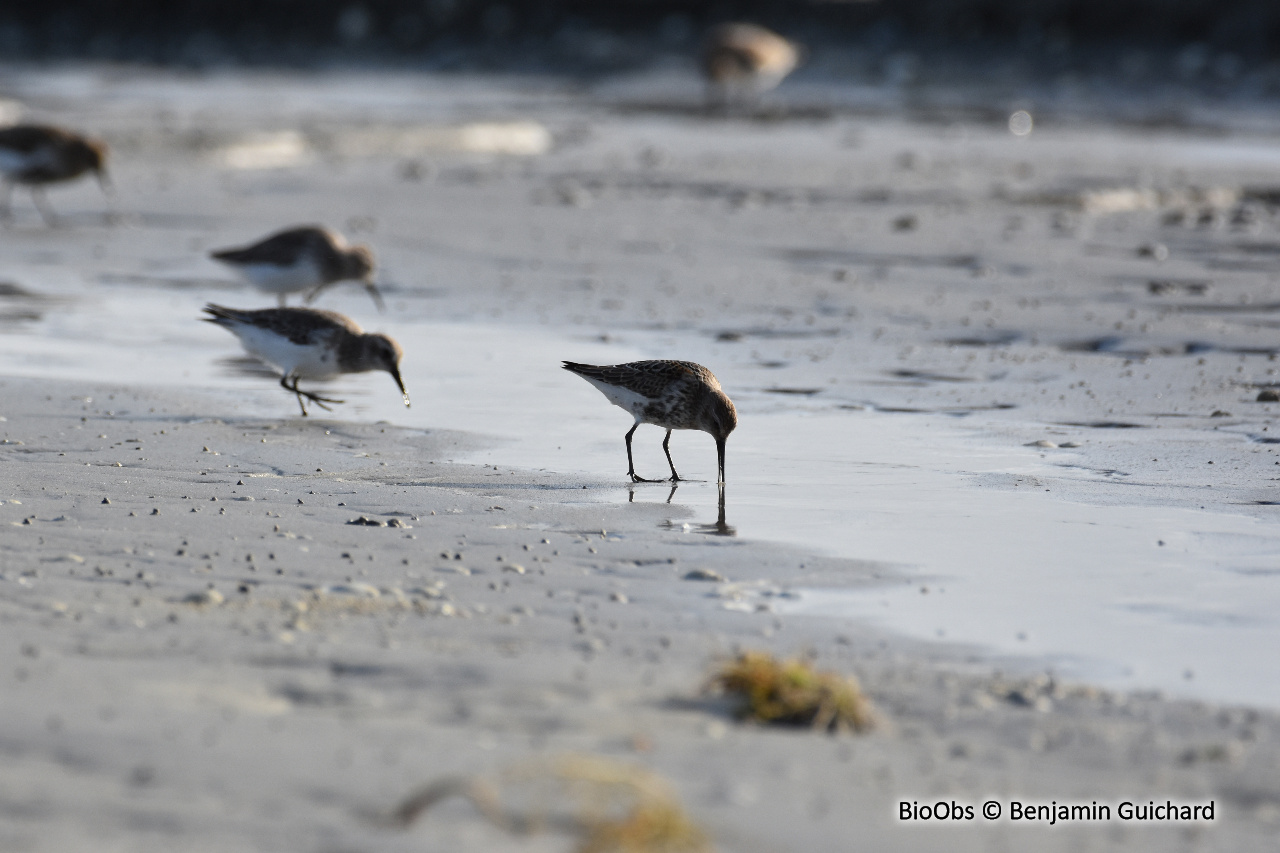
304,343
35,155
307,258
745,60
670,394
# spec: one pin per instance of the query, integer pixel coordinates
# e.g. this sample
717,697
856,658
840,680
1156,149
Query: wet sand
917,301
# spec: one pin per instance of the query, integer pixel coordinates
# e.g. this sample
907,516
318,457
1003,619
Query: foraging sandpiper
305,343
745,59
35,155
669,394
307,258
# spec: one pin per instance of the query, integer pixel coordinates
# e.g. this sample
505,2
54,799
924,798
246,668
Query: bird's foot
320,401
636,478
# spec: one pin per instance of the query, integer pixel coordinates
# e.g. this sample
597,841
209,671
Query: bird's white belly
272,278
632,402
309,361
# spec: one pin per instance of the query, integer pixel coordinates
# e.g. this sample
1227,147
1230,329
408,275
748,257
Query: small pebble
704,575
1155,251
360,590
205,598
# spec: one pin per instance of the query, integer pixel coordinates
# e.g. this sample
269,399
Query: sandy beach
1001,456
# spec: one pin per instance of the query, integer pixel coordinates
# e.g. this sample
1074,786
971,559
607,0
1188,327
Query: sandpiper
669,394
305,343
746,59
307,258
34,155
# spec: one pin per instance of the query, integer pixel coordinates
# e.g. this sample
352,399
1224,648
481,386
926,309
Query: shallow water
1128,596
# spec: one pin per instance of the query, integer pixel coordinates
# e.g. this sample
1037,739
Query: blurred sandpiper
308,258
35,155
745,60
670,394
305,343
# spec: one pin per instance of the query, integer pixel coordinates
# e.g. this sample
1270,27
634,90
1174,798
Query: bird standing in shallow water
34,155
304,343
307,258
670,394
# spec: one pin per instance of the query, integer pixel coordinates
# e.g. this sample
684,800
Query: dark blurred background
570,35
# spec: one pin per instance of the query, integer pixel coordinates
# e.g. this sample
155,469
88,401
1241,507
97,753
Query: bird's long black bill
376,295
395,374
720,454
104,181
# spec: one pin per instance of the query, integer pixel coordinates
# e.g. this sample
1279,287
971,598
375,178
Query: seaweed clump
792,692
611,806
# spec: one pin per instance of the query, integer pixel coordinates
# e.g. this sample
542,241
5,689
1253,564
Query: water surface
1129,596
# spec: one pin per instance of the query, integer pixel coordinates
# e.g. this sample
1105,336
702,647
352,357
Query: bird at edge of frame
669,394
35,156
306,343
307,259
742,61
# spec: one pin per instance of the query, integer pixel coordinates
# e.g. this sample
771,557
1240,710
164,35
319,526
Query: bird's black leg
315,398
42,204
631,468
666,448
284,383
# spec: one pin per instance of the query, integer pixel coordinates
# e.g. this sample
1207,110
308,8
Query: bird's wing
298,325
282,249
648,378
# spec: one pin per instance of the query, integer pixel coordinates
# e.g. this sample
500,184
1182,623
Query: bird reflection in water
717,528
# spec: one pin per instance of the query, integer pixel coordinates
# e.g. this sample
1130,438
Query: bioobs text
941,810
